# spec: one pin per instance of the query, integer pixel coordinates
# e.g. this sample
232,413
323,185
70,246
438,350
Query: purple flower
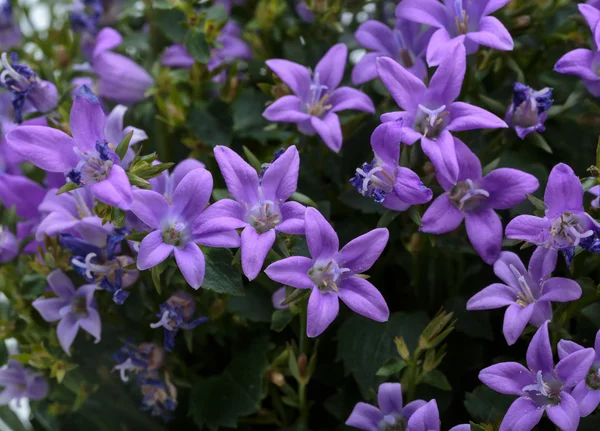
10,35
585,63
177,56
464,22
529,109
176,314
587,391
427,418
138,359
594,3
316,99
542,387
565,224
393,186
333,274
179,226
85,16
391,413
120,79
87,159
73,308
527,292
159,396
431,114
596,192
26,88
474,199
166,182
9,248
260,203
304,12
405,44
19,382
277,299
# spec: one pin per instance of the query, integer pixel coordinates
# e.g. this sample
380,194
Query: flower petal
535,230
67,331
286,109
502,268
255,247
586,398
441,216
153,250
47,148
484,229
442,153
150,207
292,214
292,271
240,177
366,69
577,62
331,67
494,296
365,417
107,39
430,12
565,414
322,240
114,190
294,75
515,320
49,308
87,120
385,141
322,310
508,378
566,347
469,117
573,368
446,83
389,398
426,418
376,36
440,44
92,324
364,298
350,98
522,415
406,89
539,352
192,194
508,187
22,193
61,284
560,289
493,34
564,191
360,254
190,261
111,68
409,187
280,180
329,129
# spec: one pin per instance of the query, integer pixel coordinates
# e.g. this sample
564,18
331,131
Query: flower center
76,307
544,392
392,422
526,295
431,123
461,18
93,167
466,197
404,56
316,105
171,319
566,231
529,105
593,377
264,216
326,276
373,181
175,233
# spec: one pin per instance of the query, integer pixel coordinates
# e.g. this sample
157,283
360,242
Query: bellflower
581,62
138,359
405,44
594,3
431,114
391,414
333,275
179,226
395,187
260,203
159,396
26,88
10,35
474,198
427,418
19,383
587,391
9,248
87,159
596,192
316,98
529,293
565,225
175,314
166,182
177,56
277,299
73,309
98,262
529,109
85,16
464,22
541,387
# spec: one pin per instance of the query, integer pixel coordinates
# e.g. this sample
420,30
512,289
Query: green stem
303,349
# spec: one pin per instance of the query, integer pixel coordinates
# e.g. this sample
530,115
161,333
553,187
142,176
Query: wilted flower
73,308
464,22
565,224
19,383
9,248
316,98
175,314
542,387
138,359
529,109
474,198
26,88
260,203
431,114
332,274
391,414
529,293
10,35
159,396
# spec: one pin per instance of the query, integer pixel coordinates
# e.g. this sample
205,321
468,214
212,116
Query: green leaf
136,236
387,218
303,199
150,171
123,146
296,295
365,344
138,181
219,401
156,272
538,204
67,188
211,123
11,420
117,216
221,276
217,13
391,366
252,159
198,47
32,285
280,319
415,216
539,141
437,379
486,405
247,112
172,24
255,305
476,427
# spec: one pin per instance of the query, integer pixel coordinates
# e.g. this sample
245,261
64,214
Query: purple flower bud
19,382
9,248
529,109
277,299
10,35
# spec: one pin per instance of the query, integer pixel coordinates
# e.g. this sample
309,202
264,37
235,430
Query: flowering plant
300,215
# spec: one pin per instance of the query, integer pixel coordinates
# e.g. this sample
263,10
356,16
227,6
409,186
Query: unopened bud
302,361
428,168
521,22
437,330
402,348
277,378
416,242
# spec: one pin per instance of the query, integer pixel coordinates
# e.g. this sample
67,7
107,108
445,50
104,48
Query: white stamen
432,113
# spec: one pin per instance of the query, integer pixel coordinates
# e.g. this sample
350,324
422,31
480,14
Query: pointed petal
529,228
440,44
349,98
364,298
114,190
484,229
255,247
365,417
542,263
441,216
515,320
113,130
492,34
412,407
539,353
577,62
240,177
47,148
366,69
67,331
447,80
49,308
150,207
322,240
565,415
586,398
294,75
469,117
406,89
177,56
503,271
442,153
87,120
61,284
573,368
494,296
190,261
564,191
92,324
153,250
281,177
183,168
508,378
322,310
385,141
329,129
360,254
376,36
331,67
409,187
508,187
430,12
560,289
389,398
292,214
292,271
286,109
110,68
107,39
426,418
22,193
192,194
522,415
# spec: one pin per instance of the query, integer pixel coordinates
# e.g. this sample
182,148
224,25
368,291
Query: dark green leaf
486,405
11,420
67,188
255,305
211,123
172,24
156,273
303,199
136,236
123,146
247,112
150,171
391,366
387,218
198,47
32,285
252,159
221,276
280,319
437,379
217,13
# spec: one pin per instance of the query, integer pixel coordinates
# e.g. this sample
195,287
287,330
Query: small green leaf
67,188
538,204
391,366
539,141
476,427
415,216
217,13
252,159
387,218
296,295
150,171
198,47
303,199
221,276
138,181
437,379
123,146
117,216
156,272
136,236
280,319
